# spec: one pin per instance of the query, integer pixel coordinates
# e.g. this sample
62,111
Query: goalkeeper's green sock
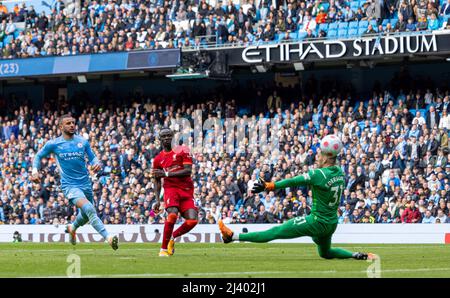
283,231
259,237
339,253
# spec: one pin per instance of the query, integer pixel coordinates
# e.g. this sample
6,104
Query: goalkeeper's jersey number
337,193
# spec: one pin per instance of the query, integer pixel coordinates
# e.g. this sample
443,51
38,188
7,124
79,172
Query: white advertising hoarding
351,233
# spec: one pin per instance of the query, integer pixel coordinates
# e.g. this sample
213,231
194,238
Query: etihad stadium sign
365,47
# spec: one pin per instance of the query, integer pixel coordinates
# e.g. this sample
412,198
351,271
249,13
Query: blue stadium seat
361,125
343,25
373,23
342,33
363,24
325,5
241,112
8,39
443,19
323,27
353,32
393,22
423,113
301,35
277,36
361,31
293,35
333,26
354,5
385,22
353,25
332,33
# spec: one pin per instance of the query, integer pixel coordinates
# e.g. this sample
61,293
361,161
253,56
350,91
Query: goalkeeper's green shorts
297,227
307,226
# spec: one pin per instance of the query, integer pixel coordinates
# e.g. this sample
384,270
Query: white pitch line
81,250
187,275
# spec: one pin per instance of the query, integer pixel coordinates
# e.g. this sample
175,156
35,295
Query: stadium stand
125,25
396,154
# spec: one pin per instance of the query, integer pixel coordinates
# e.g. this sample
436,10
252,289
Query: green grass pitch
219,260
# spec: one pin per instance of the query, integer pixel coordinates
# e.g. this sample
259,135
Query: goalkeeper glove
262,185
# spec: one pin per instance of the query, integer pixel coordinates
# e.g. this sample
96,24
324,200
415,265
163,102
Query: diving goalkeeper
327,183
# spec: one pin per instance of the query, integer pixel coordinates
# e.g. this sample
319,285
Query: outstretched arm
155,174
44,152
157,194
92,158
309,178
301,180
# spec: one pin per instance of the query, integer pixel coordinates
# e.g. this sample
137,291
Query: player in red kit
172,169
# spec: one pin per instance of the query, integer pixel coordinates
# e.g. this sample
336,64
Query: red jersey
173,162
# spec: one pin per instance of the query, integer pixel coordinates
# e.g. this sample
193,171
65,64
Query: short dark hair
65,116
166,128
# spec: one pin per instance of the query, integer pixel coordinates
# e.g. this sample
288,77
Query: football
331,145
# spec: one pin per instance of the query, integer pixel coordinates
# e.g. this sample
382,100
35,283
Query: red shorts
182,199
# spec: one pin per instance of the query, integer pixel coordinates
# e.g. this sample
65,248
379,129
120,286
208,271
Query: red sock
188,225
168,229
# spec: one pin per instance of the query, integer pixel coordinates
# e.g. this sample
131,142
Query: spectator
3,10
422,23
321,16
433,22
10,28
440,217
411,26
262,216
273,101
400,26
411,214
444,9
369,30
428,218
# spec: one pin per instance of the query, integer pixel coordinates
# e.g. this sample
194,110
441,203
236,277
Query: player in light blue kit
70,151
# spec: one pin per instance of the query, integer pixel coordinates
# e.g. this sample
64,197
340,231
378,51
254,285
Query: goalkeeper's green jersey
327,185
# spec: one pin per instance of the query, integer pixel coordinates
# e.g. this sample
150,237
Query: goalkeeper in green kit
327,183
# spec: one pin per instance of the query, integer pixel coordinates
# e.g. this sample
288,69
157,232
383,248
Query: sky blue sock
89,210
81,219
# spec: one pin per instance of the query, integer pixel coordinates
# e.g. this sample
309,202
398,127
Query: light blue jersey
71,159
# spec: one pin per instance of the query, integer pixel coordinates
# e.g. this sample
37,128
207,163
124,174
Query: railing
214,46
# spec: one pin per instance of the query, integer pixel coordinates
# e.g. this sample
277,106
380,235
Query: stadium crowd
101,26
396,159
